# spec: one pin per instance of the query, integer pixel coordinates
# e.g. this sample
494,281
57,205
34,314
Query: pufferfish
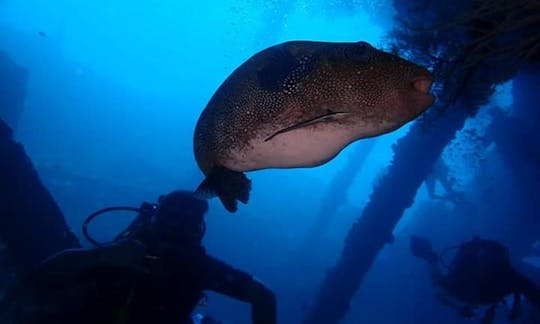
298,104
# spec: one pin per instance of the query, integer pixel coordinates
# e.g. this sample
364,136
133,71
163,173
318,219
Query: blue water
114,93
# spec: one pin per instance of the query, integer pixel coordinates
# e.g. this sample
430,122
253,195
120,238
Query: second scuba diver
479,274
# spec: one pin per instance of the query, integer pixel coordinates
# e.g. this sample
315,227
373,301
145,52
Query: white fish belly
304,147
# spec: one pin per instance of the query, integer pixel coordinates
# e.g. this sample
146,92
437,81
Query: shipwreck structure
471,48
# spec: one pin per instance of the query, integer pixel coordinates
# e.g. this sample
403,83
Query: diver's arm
226,280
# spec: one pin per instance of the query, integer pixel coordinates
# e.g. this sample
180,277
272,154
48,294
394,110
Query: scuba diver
480,274
155,271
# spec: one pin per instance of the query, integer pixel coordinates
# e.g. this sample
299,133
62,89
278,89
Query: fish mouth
422,84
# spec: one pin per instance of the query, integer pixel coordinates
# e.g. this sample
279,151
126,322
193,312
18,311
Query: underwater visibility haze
385,153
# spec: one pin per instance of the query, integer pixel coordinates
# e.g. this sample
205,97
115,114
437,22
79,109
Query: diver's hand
126,253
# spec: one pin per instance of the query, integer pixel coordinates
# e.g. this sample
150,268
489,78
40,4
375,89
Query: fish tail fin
230,186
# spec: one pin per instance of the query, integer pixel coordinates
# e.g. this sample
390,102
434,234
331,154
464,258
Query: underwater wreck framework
472,49
32,226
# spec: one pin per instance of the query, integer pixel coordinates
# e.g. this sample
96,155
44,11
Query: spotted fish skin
299,103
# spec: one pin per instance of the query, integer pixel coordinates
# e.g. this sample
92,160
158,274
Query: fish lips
422,83
421,86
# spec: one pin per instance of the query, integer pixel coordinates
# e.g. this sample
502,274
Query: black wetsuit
165,292
480,274
171,291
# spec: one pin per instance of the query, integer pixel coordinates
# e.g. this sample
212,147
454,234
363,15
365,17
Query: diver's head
180,217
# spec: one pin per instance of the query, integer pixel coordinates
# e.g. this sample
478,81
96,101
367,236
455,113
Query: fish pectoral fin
327,117
230,186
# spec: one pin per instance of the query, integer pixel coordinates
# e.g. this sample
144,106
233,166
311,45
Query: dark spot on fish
283,70
359,52
42,34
